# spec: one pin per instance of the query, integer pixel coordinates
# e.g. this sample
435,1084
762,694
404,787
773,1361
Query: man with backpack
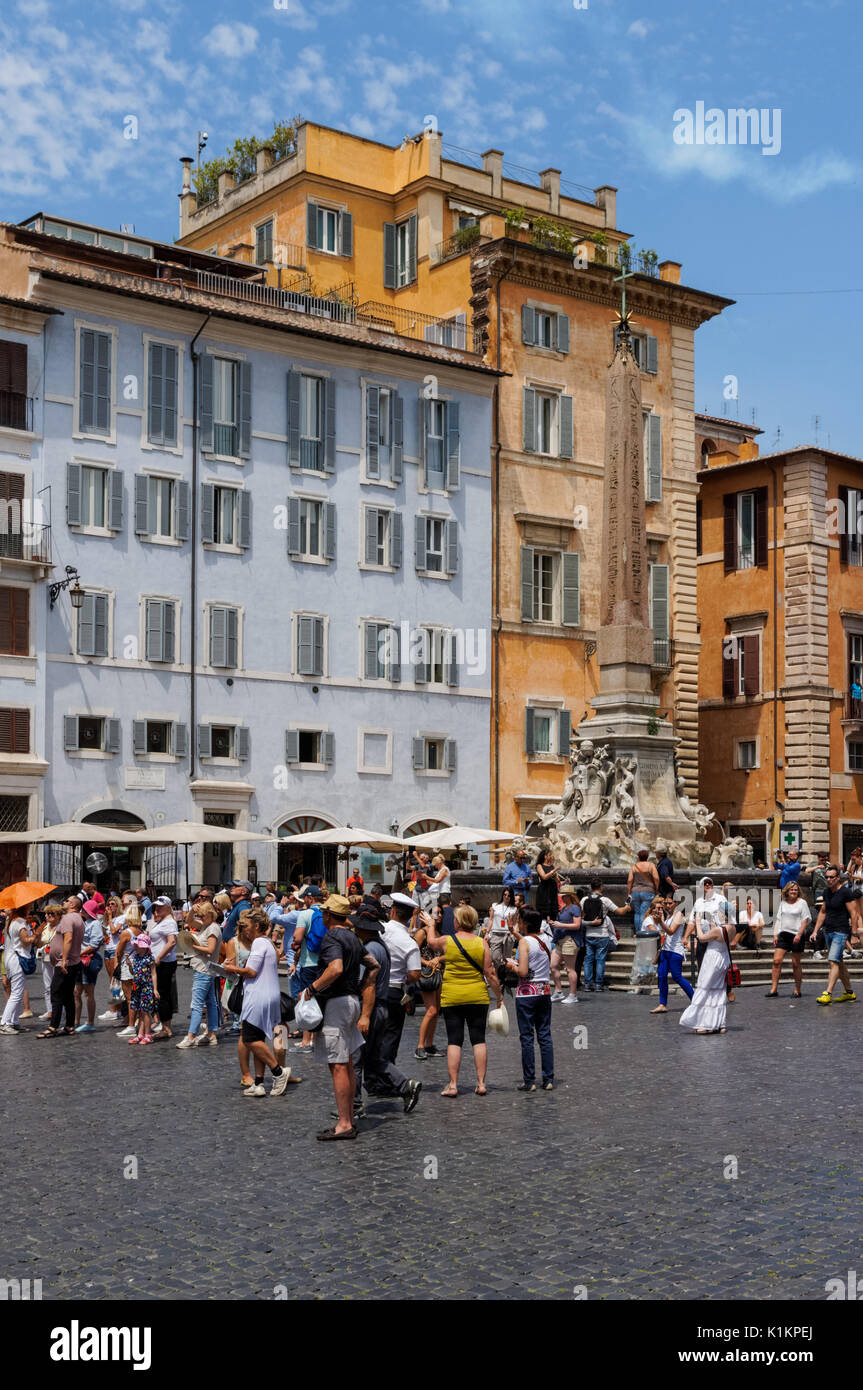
308,934
596,914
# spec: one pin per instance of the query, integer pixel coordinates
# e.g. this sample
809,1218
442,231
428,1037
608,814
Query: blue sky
592,91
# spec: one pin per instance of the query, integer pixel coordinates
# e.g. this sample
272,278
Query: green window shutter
527,584
451,545
565,427
397,446
412,248
207,513
87,626
652,364
571,596
453,456
563,332
372,431
115,500
142,508
564,729
420,542
371,535
73,494
293,525
312,225
207,402
244,415
389,255
529,420
294,419
329,386
245,519
346,230
654,458
329,523
529,738
528,325
370,667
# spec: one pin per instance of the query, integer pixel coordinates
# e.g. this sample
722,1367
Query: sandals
50,1033
327,1134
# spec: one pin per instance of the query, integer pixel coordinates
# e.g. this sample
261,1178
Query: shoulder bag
477,968
732,974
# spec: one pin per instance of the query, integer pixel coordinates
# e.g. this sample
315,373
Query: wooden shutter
529,732
527,584
292,746
453,453
396,539
652,355
449,755
761,526
73,494
207,513
451,546
845,524
312,225
750,651
571,606
244,505
389,255
372,431
564,730
101,399
565,427
139,738
13,374
658,602
528,325
346,233
115,500
329,388
418,751
371,535
654,458
329,525
112,736
730,667
70,732
241,743
420,542
370,662
218,636
179,740
412,248
181,510
244,413
529,420
729,530
142,509
205,741
162,394
397,446
563,332
14,622
14,730
207,402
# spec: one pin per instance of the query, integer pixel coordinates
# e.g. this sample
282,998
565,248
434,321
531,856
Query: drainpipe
496,570
193,616
776,801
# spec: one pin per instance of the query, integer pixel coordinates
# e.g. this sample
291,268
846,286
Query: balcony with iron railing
16,411
326,306
458,244
663,654
28,542
453,331
853,711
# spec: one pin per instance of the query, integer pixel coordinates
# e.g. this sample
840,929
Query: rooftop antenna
203,137
778,439
815,423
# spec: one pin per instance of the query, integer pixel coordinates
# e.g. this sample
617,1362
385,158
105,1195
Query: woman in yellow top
468,977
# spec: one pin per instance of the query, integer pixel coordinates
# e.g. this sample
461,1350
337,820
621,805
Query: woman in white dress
706,1013
18,941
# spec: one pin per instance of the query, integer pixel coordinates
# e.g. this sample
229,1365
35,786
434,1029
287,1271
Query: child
144,991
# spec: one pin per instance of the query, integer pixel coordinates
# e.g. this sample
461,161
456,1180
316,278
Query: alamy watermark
737,126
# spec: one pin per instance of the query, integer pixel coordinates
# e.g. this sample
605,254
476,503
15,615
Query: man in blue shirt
518,875
240,902
567,931
790,869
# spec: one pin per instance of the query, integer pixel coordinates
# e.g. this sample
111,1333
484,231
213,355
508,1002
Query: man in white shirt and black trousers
381,1076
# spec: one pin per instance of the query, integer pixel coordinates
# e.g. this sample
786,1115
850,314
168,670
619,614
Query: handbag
28,962
732,974
429,981
234,1001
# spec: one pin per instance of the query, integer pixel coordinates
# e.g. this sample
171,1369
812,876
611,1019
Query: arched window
707,448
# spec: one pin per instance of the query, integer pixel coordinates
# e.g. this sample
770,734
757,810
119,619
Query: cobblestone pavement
614,1181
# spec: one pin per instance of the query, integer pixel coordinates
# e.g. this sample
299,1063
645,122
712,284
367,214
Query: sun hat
92,907
142,942
337,905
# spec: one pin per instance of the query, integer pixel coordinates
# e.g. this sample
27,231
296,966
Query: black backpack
593,908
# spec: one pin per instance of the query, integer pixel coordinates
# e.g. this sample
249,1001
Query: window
747,753
14,621
745,529
434,754
855,675
161,507
14,731
162,394
543,587
223,741
375,752
855,756
162,495
449,332
547,423
310,645
400,253
434,544
658,608
851,533
547,731
311,423
441,445
91,734
159,629
226,406
310,747
435,655
383,533
330,230
544,328
645,349
225,516
550,587
311,529
652,456
381,652
94,497
93,626
224,636
158,736
14,405
161,736
94,382
384,434
435,444
264,242
741,665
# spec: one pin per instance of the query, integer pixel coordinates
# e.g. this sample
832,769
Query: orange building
433,242
780,601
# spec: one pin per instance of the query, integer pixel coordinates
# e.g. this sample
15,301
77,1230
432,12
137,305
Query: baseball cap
143,941
313,891
163,901
337,905
402,899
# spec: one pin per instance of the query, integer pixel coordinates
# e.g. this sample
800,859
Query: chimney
264,159
492,163
226,183
188,199
606,198
550,179
670,271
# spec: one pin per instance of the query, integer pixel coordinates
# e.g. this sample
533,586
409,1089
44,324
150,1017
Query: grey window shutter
232,634
370,662
372,431
329,510
171,400
103,383
244,501
529,738
449,755
205,741
179,740
151,507
419,657
453,445
328,747
652,364
318,638
207,514
112,736
412,248
563,332
528,325
73,494
312,224
564,728
420,542
451,533
156,394
70,732
305,647
346,228
419,752
432,333
389,255
292,746
181,510
169,615
244,415
398,431
294,419
396,539
87,380
571,596
395,654
218,637
527,584
654,458
293,525
452,663
87,626
659,602
329,425
241,743
100,625
529,420
425,413
153,629
564,431
139,737
371,535
115,499
207,401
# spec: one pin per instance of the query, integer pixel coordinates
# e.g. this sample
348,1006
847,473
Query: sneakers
432,1051
280,1083
412,1095
525,1086
818,955
147,1038
824,998
157,1026
557,997
206,1040
298,1048
109,1017
8,1030
255,1091
421,1054
548,1085
85,1028
846,997
187,1042
570,999
127,1032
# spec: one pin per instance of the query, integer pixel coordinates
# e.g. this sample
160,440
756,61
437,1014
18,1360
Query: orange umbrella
22,894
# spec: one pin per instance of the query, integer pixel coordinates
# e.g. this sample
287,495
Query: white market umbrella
351,835
457,836
190,832
71,833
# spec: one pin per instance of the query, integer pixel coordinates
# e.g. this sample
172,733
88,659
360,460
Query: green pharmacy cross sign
790,836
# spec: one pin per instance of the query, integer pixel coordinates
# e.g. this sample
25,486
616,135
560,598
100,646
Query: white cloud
33,9
294,12
436,6
230,40
533,119
310,78
639,29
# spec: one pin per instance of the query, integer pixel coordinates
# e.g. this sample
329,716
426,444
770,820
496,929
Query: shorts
455,1016
250,1034
785,942
339,1032
566,942
90,973
836,943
